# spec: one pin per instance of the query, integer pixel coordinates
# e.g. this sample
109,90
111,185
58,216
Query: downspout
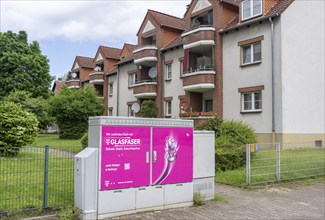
162,55
117,93
272,70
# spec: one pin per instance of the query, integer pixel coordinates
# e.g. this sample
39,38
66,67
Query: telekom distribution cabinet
134,164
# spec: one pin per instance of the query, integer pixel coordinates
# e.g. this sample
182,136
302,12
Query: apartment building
273,68
78,77
256,61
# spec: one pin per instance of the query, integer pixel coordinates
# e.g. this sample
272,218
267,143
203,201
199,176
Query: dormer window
251,8
202,19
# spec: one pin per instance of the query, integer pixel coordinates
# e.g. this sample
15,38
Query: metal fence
35,179
267,163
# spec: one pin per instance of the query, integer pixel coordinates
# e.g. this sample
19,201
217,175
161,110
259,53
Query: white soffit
76,66
100,57
201,4
149,26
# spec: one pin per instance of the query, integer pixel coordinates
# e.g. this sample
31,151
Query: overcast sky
67,28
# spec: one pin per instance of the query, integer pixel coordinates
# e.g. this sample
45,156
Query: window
168,71
252,53
251,8
202,19
133,78
168,108
181,67
111,89
252,101
110,112
208,105
131,113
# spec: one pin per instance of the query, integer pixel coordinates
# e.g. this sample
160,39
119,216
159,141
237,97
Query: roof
128,58
110,52
165,20
130,47
231,2
114,70
85,62
178,41
276,10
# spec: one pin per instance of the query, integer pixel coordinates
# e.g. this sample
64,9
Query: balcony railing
96,77
73,83
196,114
146,55
199,79
145,89
201,35
200,68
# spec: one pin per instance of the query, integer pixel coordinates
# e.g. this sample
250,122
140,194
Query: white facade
174,87
298,68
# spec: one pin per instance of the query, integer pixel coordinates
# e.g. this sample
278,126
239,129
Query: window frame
252,101
251,9
252,53
131,113
133,78
111,89
168,108
168,71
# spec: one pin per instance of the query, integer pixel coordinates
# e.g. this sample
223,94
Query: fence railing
267,163
37,178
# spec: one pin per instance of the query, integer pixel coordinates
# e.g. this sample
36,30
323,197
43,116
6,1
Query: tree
72,108
17,128
38,106
148,109
22,65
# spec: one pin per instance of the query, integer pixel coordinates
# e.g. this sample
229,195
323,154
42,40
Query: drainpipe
272,69
162,55
117,93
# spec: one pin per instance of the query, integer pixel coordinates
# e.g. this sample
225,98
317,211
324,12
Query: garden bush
231,138
148,109
84,141
17,128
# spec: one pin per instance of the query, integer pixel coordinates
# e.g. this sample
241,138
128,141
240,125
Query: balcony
196,114
145,89
146,55
96,77
201,36
73,83
199,79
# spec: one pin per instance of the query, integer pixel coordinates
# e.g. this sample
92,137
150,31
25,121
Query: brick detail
145,53
197,36
73,83
144,88
251,41
251,89
168,98
198,79
96,76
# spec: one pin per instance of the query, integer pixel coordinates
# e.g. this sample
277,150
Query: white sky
69,28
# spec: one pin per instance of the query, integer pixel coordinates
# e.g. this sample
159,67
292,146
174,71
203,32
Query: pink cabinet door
124,157
172,155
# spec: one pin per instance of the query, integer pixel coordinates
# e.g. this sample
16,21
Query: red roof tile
168,20
85,62
178,41
110,52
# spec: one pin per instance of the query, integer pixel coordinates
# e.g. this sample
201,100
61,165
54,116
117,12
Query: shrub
84,141
212,124
148,109
231,137
17,128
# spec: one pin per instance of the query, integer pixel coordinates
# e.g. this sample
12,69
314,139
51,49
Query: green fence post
46,177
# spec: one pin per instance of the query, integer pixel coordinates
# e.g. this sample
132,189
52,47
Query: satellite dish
98,68
74,75
184,105
135,107
152,72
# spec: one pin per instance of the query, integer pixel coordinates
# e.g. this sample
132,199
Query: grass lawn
54,141
299,163
22,180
